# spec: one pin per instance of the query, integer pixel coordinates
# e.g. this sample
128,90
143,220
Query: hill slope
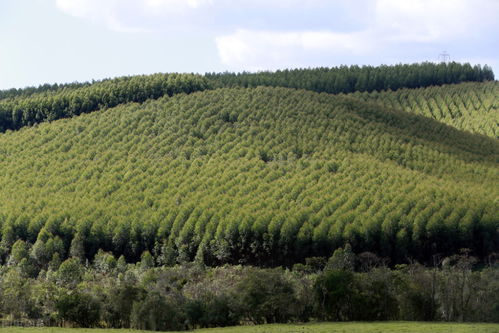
472,107
265,176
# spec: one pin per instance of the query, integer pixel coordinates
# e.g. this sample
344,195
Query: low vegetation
111,293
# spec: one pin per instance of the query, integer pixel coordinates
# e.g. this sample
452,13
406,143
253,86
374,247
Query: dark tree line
28,91
111,293
347,79
72,100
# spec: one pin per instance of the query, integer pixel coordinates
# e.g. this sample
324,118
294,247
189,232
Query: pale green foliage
473,107
288,175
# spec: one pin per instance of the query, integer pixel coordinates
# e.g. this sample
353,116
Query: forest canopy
265,176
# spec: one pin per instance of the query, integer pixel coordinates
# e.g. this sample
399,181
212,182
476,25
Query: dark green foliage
72,100
212,311
15,295
28,91
78,308
418,293
146,260
487,287
120,302
193,296
342,259
354,78
156,313
335,292
266,297
20,251
375,298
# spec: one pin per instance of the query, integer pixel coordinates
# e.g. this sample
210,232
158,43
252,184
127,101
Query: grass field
392,327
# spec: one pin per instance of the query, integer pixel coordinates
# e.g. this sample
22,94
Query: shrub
265,297
78,308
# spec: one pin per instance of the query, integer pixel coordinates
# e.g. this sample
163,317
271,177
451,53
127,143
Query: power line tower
444,57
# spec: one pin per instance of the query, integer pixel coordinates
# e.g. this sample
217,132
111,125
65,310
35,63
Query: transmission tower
444,57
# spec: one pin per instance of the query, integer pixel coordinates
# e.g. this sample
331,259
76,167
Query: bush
120,302
335,291
265,297
375,298
215,311
78,308
156,313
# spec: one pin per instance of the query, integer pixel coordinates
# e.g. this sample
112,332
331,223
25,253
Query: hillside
473,107
265,176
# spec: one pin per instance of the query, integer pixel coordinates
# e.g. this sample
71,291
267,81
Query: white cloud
393,22
142,10
423,20
87,8
257,50
170,3
132,15
168,7
250,34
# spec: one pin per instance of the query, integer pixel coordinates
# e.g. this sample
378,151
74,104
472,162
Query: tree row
111,293
347,79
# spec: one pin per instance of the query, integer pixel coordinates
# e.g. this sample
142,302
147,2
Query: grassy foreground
394,327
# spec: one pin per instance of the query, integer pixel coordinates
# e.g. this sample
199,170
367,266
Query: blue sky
47,41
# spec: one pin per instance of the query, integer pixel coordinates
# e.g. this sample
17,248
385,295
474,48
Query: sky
59,41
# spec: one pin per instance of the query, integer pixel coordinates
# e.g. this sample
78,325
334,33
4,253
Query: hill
265,176
473,107
29,106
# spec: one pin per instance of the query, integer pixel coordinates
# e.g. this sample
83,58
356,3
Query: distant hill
264,176
29,106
